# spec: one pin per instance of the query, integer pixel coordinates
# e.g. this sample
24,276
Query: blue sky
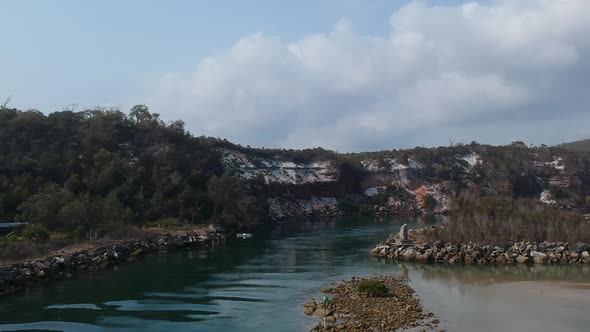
124,52
104,52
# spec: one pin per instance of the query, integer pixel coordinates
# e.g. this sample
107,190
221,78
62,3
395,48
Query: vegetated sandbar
352,309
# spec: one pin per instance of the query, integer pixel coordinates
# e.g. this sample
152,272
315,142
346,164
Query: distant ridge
580,146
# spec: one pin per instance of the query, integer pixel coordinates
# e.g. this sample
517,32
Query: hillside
87,173
580,146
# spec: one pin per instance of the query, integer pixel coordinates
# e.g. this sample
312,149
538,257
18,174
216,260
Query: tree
226,193
140,114
79,211
44,206
113,212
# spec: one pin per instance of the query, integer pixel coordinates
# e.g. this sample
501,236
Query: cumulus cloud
494,72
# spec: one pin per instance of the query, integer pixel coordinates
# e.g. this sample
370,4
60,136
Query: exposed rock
284,208
579,247
535,254
309,311
473,253
409,254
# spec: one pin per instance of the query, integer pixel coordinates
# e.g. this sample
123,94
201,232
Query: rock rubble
523,252
22,275
349,310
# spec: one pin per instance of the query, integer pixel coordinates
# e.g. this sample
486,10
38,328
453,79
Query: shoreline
86,257
417,249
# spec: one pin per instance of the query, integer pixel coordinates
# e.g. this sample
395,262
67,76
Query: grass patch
371,287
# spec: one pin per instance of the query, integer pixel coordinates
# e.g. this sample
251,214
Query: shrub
79,233
371,287
12,237
167,223
36,232
429,203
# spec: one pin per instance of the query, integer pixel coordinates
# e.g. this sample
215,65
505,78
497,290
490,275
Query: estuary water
259,284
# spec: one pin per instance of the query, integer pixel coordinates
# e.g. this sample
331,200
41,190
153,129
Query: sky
348,75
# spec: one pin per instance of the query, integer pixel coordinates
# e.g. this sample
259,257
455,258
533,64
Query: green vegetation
96,172
164,223
371,287
35,232
86,173
429,203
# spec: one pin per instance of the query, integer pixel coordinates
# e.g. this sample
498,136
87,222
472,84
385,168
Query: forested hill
95,168
581,146
84,172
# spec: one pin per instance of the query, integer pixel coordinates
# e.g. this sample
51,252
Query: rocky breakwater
523,252
351,308
63,266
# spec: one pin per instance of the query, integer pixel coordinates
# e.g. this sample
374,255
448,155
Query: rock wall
473,253
277,170
29,273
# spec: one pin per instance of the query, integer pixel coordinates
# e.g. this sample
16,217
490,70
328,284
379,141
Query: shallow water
258,284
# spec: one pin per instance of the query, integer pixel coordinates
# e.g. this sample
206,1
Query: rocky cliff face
277,169
414,181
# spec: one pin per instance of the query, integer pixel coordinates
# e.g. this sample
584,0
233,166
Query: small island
383,303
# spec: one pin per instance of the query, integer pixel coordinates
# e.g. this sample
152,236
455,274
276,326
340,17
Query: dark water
258,284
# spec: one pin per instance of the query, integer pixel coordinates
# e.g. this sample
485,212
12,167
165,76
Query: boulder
501,260
40,266
178,242
537,254
409,255
319,312
455,259
310,304
579,247
522,259
424,258
375,252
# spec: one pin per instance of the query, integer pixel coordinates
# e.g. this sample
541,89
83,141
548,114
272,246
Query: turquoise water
258,284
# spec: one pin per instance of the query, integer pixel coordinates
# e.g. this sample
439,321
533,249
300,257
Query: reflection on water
486,275
258,284
517,298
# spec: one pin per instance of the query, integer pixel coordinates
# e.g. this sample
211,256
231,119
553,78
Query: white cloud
442,71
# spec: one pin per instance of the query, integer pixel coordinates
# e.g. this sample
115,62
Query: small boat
244,235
